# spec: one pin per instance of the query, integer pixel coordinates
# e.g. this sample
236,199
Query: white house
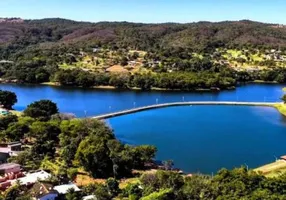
64,189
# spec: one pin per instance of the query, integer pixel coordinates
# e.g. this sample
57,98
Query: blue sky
150,11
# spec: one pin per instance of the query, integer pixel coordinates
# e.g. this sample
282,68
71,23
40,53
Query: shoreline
108,87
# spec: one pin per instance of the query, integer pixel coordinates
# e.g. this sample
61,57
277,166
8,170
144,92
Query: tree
16,131
42,110
101,193
72,195
5,121
46,135
112,186
7,99
284,98
92,154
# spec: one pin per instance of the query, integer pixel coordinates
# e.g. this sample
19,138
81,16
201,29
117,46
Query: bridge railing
132,105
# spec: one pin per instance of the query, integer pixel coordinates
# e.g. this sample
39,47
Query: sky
147,11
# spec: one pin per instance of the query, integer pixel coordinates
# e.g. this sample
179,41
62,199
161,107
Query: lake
94,102
207,138
198,138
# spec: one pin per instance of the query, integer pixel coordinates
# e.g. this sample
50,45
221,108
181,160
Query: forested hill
191,56
197,36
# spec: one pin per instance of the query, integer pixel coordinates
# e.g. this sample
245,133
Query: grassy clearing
17,113
273,169
281,107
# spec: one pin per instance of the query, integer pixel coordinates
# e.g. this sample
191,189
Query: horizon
240,20
169,11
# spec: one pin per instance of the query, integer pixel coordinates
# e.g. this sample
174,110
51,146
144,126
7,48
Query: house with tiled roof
43,191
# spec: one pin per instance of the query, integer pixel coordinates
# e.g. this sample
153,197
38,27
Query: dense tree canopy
43,109
7,99
284,98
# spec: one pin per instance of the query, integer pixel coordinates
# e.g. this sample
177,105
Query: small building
10,168
31,178
89,197
283,157
8,150
43,191
64,189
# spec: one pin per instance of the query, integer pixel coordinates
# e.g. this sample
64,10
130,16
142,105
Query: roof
9,166
5,150
63,189
283,157
41,189
90,197
33,177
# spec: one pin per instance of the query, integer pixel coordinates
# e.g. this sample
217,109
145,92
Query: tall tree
7,99
42,110
284,98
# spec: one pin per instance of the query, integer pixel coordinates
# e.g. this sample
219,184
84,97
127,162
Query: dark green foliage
16,131
46,135
42,110
284,98
5,121
37,47
7,99
72,195
112,186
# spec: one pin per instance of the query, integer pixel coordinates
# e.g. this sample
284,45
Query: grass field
281,108
273,169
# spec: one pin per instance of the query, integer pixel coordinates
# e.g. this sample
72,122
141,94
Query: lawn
273,169
281,107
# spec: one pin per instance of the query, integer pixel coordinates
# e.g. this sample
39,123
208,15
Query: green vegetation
56,141
126,55
7,99
284,99
71,148
274,169
41,110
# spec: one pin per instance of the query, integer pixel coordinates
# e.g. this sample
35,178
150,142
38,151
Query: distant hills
200,36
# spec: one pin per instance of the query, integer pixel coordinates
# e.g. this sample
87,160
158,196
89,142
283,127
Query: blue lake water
207,138
198,138
94,102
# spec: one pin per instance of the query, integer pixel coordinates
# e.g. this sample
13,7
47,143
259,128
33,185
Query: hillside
144,36
202,55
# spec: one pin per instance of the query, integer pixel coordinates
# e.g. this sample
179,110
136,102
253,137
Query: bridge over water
196,103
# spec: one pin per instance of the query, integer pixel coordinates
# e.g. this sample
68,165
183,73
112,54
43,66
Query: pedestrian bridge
195,103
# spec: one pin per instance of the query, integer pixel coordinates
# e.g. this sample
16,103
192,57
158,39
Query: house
31,178
8,150
43,191
9,172
90,197
10,168
283,157
64,189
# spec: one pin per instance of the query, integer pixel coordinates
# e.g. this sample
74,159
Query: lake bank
108,87
272,169
281,107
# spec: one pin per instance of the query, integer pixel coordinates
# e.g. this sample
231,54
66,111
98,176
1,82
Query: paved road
124,112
